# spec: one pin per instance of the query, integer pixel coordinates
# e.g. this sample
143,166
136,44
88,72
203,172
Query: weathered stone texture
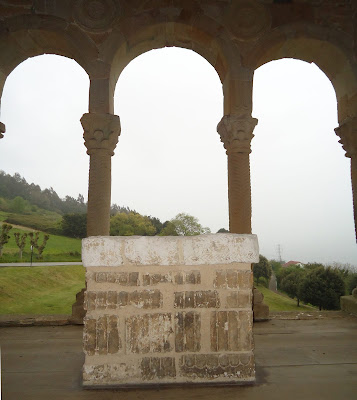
233,279
178,278
187,331
231,331
146,299
120,278
146,323
239,299
157,367
199,299
149,333
101,336
213,365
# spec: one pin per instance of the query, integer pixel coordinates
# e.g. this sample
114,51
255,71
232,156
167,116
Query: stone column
2,130
347,131
236,133
101,132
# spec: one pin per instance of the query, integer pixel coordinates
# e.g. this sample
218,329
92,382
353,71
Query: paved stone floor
295,359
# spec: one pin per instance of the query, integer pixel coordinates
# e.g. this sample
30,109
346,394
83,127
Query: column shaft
99,195
101,132
239,193
236,133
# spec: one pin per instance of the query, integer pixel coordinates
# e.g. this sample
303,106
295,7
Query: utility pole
279,252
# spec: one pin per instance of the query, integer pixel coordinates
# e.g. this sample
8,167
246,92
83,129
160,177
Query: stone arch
32,35
328,49
123,46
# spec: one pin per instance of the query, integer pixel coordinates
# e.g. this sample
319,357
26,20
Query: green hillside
58,248
39,290
279,302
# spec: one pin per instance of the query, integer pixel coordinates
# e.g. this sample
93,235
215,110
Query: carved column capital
101,132
2,130
236,132
347,131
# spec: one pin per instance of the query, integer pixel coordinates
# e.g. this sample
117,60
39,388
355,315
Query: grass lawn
40,290
279,302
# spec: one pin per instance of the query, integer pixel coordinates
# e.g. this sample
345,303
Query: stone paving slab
295,359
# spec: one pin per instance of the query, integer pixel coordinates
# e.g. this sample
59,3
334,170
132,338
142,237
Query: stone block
144,250
233,279
193,277
219,249
101,336
213,366
120,278
213,249
155,279
239,299
231,331
149,333
187,332
197,299
157,367
146,299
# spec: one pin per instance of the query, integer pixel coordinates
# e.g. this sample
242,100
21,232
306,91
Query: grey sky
169,158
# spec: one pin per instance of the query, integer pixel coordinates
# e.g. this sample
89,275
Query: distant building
293,264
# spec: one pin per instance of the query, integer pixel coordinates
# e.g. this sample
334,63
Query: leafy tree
275,266
291,283
4,236
262,269
351,282
74,225
34,238
156,223
311,266
20,242
185,225
282,273
123,224
169,229
322,287
222,230
18,205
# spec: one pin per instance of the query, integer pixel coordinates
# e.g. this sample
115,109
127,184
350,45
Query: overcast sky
169,158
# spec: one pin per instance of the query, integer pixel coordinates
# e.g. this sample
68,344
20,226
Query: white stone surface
210,249
104,251
146,250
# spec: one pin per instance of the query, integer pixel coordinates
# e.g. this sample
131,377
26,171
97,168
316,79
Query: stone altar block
168,310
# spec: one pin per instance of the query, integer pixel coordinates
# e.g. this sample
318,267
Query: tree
275,266
74,225
291,283
184,225
262,269
322,287
156,223
168,229
351,282
20,242
4,236
18,205
222,230
123,224
34,238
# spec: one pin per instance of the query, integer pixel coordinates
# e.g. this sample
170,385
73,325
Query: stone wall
168,310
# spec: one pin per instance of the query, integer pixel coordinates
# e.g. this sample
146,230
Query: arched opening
169,158
42,103
301,184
